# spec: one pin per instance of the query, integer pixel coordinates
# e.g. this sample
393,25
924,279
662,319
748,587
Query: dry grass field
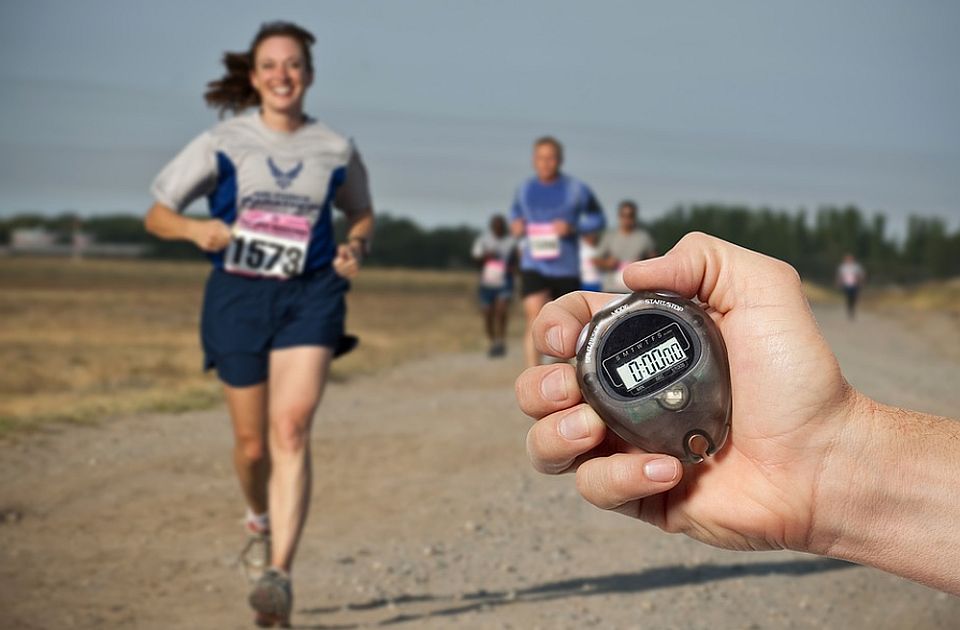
82,340
930,296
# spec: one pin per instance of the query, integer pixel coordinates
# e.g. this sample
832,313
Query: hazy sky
782,103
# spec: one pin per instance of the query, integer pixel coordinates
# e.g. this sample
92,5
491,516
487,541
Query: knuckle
584,484
546,313
532,449
540,460
546,452
696,239
593,485
669,526
612,483
605,486
787,272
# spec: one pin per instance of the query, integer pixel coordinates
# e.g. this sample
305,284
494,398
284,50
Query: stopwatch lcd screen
645,353
652,362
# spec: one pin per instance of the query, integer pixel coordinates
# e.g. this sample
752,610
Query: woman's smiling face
281,75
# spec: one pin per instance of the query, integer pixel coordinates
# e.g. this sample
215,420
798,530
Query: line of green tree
814,244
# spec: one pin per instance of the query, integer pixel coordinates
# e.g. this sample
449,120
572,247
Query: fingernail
574,426
662,470
554,340
554,386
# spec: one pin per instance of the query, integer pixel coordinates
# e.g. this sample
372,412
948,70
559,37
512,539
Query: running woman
273,310
496,252
546,212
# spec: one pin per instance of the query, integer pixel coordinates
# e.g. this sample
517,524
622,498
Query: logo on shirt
284,178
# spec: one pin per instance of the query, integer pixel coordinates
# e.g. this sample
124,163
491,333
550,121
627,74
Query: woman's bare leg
251,459
297,379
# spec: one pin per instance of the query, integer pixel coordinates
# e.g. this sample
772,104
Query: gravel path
425,515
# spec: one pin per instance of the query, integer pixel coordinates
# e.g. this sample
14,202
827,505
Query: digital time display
652,362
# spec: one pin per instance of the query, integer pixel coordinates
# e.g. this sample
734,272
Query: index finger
557,327
720,274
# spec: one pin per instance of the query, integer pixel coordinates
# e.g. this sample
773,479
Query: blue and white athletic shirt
565,198
242,164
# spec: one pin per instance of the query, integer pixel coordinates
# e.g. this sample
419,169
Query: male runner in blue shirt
545,212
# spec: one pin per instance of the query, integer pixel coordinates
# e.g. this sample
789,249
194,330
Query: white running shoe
255,556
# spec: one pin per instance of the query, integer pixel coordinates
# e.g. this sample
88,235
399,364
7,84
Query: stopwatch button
615,302
582,339
666,294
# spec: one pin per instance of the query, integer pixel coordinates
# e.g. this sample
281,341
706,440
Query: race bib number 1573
268,244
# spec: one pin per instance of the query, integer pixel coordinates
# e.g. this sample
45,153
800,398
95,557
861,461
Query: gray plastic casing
646,421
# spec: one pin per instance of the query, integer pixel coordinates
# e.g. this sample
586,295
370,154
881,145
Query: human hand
210,235
790,403
346,263
608,263
562,228
518,228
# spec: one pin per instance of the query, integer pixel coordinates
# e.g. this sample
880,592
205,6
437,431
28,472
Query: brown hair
551,141
233,91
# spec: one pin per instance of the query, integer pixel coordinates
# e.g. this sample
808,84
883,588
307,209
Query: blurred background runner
622,245
591,230
546,213
496,253
850,277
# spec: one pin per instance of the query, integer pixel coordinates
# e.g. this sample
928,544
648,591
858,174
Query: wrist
886,495
844,498
359,246
191,229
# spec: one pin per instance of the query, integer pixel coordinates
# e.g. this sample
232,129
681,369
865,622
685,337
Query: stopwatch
654,367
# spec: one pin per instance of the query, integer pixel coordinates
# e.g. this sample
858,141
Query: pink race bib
494,274
268,244
543,240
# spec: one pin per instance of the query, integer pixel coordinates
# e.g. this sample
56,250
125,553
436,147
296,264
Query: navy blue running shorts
489,295
244,318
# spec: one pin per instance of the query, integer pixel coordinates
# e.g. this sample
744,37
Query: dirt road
425,515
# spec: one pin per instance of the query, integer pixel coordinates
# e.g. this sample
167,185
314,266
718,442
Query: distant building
42,242
31,238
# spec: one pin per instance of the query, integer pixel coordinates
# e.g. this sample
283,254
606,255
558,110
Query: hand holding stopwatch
654,367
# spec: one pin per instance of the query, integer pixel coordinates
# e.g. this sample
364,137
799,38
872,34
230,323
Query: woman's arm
360,230
359,235
210,235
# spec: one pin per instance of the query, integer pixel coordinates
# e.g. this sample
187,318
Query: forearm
889,496
166,223
360,226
